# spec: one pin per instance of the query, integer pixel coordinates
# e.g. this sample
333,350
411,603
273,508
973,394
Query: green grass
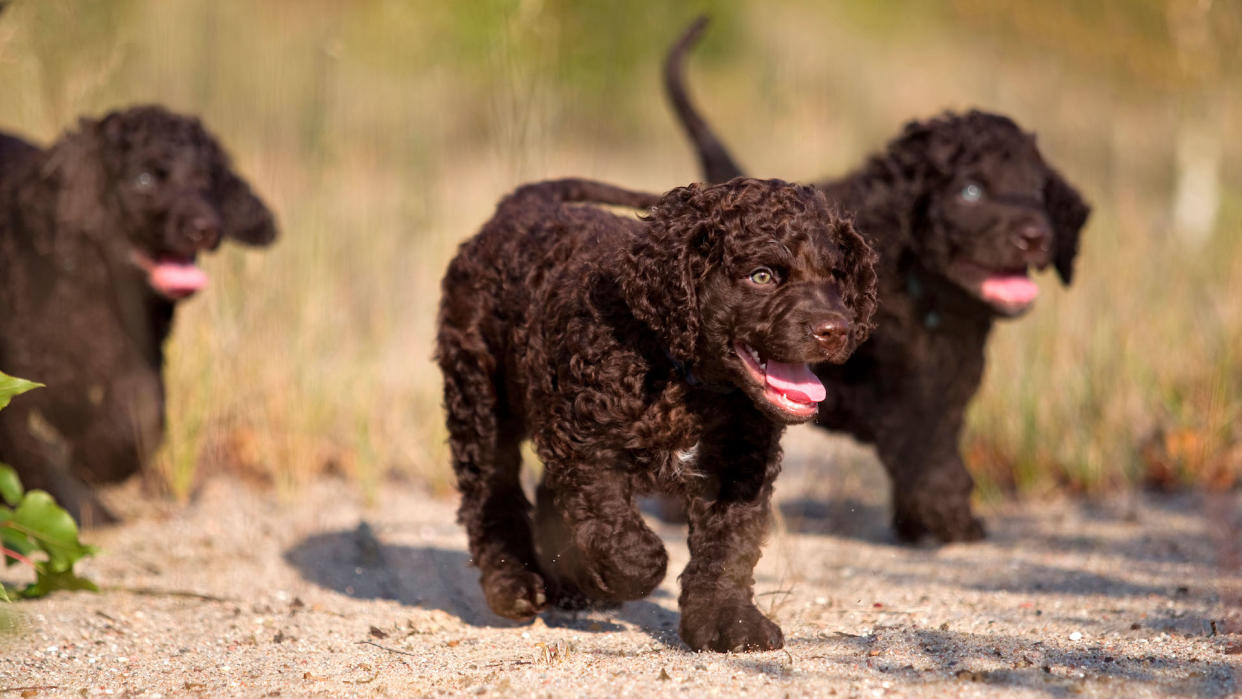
383,132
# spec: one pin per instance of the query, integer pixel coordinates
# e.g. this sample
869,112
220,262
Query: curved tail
717,164
574,189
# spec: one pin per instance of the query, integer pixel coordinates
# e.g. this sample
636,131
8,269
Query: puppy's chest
684,461
695,440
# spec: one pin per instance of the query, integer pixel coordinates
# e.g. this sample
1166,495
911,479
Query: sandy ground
241,594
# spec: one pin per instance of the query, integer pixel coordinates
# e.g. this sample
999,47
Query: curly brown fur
958,208
98,236
612,343
14,153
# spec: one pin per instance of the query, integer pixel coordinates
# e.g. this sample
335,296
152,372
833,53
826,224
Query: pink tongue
796,381
177,278
1014,290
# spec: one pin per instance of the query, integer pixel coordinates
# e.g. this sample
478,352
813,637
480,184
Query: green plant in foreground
34,530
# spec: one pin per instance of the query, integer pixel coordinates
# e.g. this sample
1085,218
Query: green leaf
12,539
47,582
10,485
35,530
16,542
11,386
39,517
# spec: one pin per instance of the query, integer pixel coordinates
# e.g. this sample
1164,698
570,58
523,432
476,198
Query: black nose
831,332
1033,237
204,227
204,224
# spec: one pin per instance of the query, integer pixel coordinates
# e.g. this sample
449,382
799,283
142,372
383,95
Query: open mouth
174,277
791,388
1010,291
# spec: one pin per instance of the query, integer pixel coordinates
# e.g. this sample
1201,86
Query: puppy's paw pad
731,629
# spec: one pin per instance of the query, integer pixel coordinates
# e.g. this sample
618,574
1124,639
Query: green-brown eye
762,276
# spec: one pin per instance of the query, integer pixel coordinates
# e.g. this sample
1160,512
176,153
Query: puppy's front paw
628,572
963,528
517,595
729,627
944,524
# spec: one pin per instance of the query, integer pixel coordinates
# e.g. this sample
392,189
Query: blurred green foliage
34,530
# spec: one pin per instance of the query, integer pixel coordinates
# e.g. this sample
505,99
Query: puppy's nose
204,224
1033,237
204,227
831,332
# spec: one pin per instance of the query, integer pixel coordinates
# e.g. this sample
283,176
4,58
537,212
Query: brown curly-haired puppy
959,209
98,238
656,355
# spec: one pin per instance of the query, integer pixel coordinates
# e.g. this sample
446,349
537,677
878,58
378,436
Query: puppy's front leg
727,528
592,540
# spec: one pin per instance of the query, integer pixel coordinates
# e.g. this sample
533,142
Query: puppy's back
15,154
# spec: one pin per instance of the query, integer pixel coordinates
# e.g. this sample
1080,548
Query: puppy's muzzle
832,332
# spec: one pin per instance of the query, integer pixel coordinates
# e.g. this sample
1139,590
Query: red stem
16,556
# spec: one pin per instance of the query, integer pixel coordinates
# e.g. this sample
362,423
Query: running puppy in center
657,355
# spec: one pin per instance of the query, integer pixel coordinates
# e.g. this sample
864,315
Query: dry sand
240,594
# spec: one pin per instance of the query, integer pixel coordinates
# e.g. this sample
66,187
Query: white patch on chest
686,458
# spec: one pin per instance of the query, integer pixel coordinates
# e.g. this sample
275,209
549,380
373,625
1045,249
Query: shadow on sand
355,563
844,517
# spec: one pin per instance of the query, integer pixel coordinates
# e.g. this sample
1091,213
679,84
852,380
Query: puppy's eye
762,276
144,182
971,193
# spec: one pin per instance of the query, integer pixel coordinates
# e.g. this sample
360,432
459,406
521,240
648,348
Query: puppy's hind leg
484,439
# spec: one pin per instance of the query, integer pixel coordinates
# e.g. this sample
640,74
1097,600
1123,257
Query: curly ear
663,269
861,293
65,198
899,207
1068,213
243,216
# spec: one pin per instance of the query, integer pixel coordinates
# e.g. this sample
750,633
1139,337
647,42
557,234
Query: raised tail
573,189
717,164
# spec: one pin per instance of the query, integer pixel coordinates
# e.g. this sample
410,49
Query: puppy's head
990,209
751,281
162,182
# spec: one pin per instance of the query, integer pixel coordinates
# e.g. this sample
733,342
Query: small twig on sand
35,688
390,650
156,592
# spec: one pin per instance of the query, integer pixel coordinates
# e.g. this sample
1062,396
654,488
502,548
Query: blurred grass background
383,132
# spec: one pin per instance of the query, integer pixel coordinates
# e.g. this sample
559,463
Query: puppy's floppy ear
243,216
917,165
664,267
860,293
65,198
1067,213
